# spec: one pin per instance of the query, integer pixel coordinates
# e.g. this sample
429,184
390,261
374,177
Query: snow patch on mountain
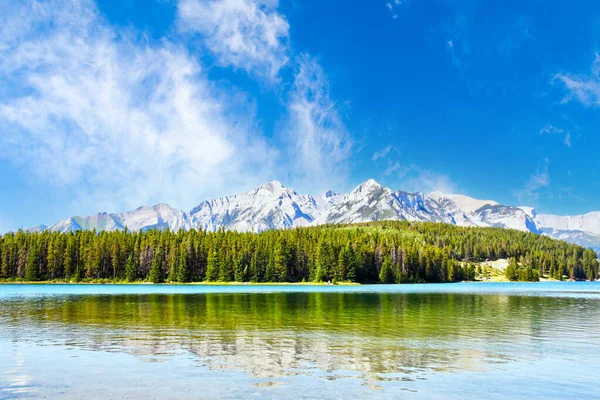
468,211
465,203
504,217
587,223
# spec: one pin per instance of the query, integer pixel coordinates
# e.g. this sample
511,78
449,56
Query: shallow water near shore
468,340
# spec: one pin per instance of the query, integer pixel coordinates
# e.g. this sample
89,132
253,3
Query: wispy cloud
552,130
427,181
581,87
253,35
120,121
414,178
244,34
318,137
392,167
457,42
530,193
383,153
117,120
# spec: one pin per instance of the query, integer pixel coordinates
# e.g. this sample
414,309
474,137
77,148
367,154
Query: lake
465,340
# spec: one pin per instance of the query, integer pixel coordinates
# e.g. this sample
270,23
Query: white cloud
416,179
536,182
383,153
320,142
246,34
427,181
392,166
252,35
119,121
567,140
552,130
583,88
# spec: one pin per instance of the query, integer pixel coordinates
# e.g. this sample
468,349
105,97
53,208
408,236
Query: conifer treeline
385,251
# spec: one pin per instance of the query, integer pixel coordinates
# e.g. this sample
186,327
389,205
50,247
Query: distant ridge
274,206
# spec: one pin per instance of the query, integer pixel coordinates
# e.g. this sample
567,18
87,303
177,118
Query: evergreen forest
376,252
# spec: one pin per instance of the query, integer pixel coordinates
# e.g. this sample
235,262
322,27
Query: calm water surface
471,340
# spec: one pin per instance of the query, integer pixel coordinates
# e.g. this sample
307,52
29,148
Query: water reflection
369,336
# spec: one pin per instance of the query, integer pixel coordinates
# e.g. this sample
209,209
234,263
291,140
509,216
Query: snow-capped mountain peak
367,187
274,187
274,206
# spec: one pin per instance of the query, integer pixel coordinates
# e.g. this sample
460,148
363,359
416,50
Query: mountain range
274,206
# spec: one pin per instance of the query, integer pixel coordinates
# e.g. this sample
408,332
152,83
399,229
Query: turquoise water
523,288
467,340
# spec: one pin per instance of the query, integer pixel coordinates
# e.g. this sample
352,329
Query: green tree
385,274
173,264
130,269
226,265
184,268
279,264
511,273
32,270
156,275
212,268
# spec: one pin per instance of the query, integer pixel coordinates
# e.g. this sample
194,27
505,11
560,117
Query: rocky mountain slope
274,206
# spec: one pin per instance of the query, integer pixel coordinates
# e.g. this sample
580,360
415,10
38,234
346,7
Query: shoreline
4,282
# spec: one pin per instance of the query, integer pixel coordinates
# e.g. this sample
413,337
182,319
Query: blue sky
108,105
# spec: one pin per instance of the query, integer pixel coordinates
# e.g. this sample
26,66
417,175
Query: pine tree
93,261
130,269
254,271
33,264
52,260
340,273
156,275
68,261
173,264
183,275
385,274
115,256
351,263
270,269
5,262
241,267
322,262
279,264
212,268
225,266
